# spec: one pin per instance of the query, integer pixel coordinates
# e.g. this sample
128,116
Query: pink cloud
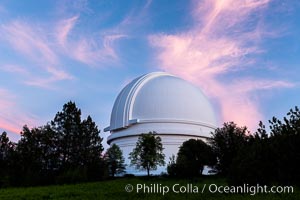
12,118
43,46
218,44
46,45
14,69
224,14
64,28
37,45
29,41
88,49
59,74
95,52
47,83
239,101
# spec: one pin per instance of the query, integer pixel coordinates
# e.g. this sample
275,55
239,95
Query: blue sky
243,54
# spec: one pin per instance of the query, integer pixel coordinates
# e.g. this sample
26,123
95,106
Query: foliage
271,158
226,143
148,153
254,163
172,167
115,160
5,147
6,150
79,143
192,156
69,150
66,150
285,140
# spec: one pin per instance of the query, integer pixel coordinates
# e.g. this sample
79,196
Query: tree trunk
201,170
148,171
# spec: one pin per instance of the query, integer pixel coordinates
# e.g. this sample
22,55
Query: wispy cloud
93,52
224,40
29,41
35,44
64,28
14,69
71,7
89,49
55,75
45,46
12,118
43,53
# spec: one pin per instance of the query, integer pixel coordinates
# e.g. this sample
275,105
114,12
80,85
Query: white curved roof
160,97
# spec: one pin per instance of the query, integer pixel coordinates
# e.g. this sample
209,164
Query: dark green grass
114,189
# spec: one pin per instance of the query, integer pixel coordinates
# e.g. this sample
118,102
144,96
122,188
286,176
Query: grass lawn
115,189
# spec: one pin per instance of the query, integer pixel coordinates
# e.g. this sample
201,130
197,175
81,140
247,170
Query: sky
244,55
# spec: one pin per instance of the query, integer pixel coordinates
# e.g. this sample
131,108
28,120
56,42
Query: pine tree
67,125
90,142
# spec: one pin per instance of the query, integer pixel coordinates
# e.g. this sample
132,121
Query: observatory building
172,107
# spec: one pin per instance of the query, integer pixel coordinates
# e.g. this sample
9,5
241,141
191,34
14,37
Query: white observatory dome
172,107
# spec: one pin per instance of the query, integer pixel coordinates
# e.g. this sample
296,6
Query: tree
48,145
67,125
285,141
254,162
172,166
192,156
5,146
148,153
226,143
90,154
79,144
91,142
64,150
270,158
115,160
37,155
6,149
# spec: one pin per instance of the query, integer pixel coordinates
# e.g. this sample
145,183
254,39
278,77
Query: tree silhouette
172,167
148,153
6,149
115,160
67,125
192,156
90,142
285,140
64,150
30,155
254,163
69,150
79,144
227,142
